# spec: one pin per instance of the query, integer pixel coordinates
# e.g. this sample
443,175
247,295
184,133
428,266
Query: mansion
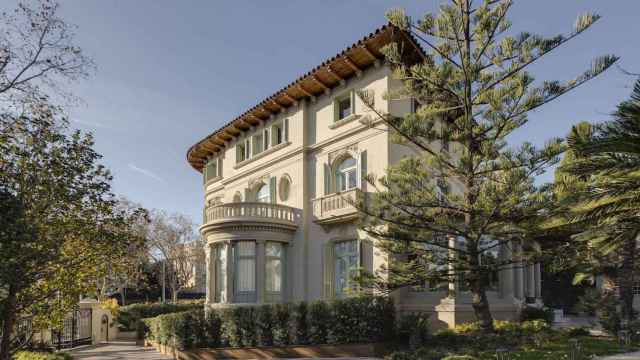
277,218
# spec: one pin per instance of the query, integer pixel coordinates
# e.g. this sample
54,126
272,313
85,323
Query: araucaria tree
457,209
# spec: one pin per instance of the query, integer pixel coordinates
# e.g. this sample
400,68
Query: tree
457,209
37,54
174,242
607,204
64,224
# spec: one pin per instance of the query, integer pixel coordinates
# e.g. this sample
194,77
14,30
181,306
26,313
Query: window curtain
245,273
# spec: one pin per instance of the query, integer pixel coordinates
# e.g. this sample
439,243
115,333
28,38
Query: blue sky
170,72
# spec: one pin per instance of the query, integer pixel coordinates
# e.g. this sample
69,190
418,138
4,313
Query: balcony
248,214
336,208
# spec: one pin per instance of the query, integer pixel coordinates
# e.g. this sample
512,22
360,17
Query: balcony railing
336,207
249,211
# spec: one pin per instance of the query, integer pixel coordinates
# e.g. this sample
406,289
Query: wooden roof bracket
304,91
353,66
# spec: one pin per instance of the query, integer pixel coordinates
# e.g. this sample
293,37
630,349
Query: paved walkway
627,356
118,350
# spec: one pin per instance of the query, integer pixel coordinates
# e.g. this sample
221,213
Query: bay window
274,256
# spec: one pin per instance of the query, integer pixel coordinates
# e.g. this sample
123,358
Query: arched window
263,194
346,174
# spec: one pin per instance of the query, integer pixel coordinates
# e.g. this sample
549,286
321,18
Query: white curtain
246,266
274,252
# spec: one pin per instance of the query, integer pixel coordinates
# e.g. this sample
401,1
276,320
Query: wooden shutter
239,153
286,129
328,271
366,255
272,189
265,139
362,171
327,179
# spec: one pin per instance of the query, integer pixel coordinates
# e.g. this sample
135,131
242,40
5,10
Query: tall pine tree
465,195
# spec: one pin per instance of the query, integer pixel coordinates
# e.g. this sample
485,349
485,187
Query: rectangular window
346,262
219,272
344,107
245,271
247,149
273,257
265,139
240,152
277,134
258,144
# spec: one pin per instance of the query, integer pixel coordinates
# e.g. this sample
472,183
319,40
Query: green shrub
265,325
534,313
129,316
362,319
32,355
577,331
300,324
413,329
460,357
282,328
420,354
319,317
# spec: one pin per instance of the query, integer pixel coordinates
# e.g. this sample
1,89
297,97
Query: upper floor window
263,194
346,174
213,169
344,106
243,150
280,132
258,144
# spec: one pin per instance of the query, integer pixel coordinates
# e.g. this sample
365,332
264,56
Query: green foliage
29,355
300,322
130,315
577,331
536,313
413,329
371,319
473,90
319,317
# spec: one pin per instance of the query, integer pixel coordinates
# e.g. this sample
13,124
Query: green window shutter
238,153
335,110
328,271
353,101
366,255
327,179
286,129
204,174
362,164
272,189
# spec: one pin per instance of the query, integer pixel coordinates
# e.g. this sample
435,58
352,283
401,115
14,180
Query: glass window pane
346,164
352,179
246,248
346,265
246,275
274,275
344,108
274,249
263,194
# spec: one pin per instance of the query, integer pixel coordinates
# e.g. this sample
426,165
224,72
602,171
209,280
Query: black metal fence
76,330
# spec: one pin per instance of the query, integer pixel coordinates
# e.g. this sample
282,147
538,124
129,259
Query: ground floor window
245,271
346,262
274,271
219,258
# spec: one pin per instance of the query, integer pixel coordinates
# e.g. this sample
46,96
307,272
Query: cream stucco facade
276,222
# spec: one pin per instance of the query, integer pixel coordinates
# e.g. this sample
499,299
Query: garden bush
413,329
129,316
535,313
32,355
363,319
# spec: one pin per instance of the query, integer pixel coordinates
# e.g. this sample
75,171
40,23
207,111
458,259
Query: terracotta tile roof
320,80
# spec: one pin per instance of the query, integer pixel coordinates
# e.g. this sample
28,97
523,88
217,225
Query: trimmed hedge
353,320
129,316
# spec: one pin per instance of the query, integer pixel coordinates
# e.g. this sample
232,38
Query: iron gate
76,330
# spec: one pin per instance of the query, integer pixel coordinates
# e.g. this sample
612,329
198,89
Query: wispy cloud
145,172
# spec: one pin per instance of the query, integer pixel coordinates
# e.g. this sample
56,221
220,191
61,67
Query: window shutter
272,189
238,153
219,167
329,267
353,101
246,195
362,172
204,174
327,179
366,255
265,138
335,110
286,129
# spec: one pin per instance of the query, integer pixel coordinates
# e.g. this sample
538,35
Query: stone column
230,262
518,271
531,281
209,276
538,279
506,278
260,271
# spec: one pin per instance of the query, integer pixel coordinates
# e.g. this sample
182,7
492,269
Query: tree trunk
481,308
8,321
627,278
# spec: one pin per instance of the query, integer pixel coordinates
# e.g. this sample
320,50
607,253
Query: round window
284,188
